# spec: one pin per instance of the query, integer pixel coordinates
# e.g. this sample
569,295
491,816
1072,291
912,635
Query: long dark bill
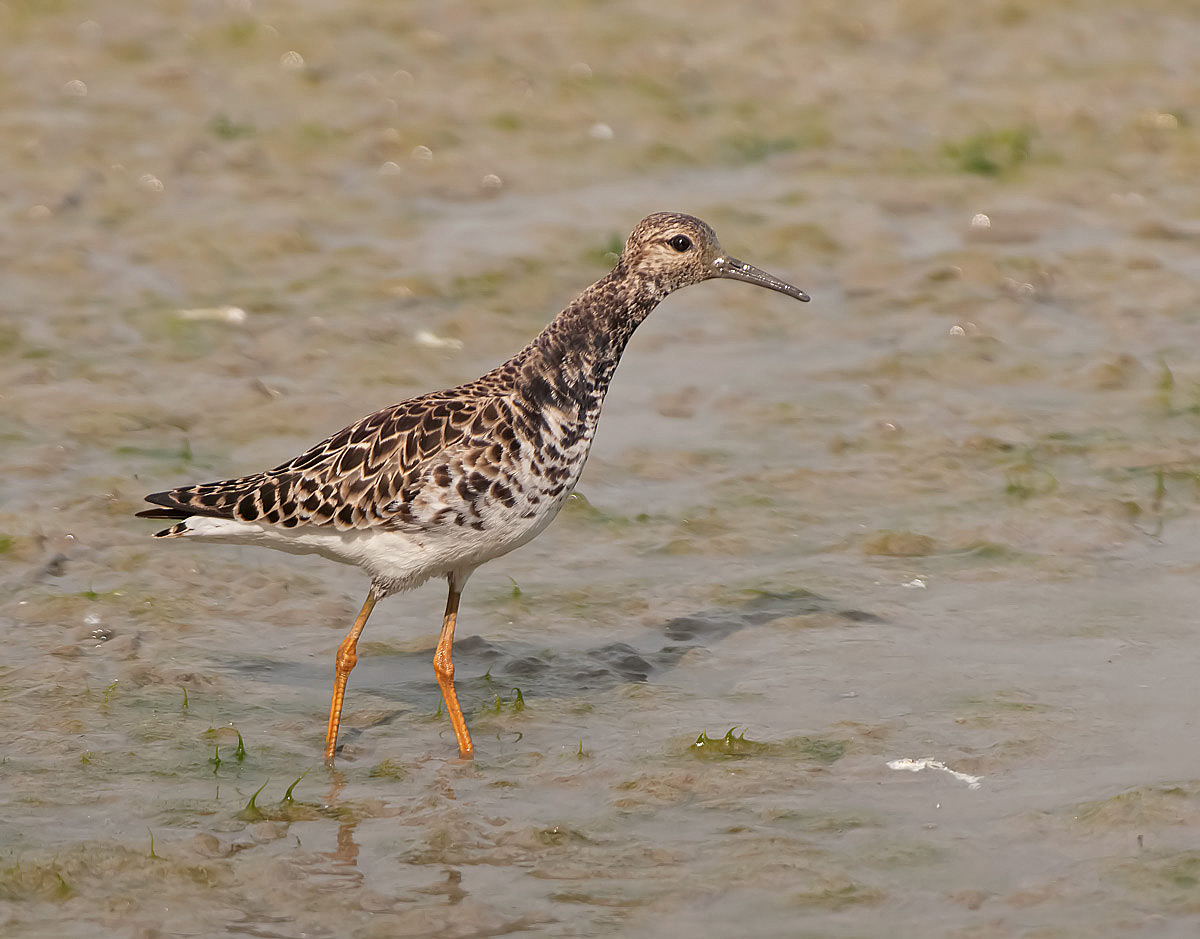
740,270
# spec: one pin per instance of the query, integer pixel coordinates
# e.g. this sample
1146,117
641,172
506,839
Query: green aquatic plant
515,701
1166,879
507,120
727,747
1026,482
558,835
1166,386
990,152
1137,809
239,752
287,796
992,551
288,808
838,894
734,746
252,813
1028,478
821,749
181,453
388,769
1160,488
899,544
753,148
578,510
225,128
44,881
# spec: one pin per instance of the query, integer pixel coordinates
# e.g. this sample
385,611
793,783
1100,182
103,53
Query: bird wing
417,465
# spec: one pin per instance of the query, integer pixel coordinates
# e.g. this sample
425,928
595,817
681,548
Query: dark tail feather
172,506
176,503
168,498
165,513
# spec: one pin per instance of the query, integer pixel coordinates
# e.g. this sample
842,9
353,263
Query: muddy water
946,512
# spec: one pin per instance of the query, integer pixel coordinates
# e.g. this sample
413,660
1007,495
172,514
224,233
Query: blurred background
945,511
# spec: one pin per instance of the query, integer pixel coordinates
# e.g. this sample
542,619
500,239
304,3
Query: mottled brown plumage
439,484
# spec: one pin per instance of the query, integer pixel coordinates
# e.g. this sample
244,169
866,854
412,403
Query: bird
441,483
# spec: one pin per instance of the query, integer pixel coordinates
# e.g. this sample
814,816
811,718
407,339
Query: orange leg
346,659
443,667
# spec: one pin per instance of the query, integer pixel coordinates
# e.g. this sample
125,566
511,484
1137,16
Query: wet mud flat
870,617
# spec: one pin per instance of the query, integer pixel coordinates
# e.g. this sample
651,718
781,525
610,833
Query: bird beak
739,270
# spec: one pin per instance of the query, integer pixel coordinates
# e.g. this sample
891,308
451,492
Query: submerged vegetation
735,746
991,152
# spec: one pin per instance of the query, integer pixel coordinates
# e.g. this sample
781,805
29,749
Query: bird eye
680,243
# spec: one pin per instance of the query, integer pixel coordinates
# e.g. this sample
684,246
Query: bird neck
577,353
599,322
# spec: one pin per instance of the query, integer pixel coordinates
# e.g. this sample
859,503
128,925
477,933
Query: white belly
395,560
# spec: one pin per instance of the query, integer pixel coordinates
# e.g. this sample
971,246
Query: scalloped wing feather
371,474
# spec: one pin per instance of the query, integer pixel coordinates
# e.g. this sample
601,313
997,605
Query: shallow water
946,511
